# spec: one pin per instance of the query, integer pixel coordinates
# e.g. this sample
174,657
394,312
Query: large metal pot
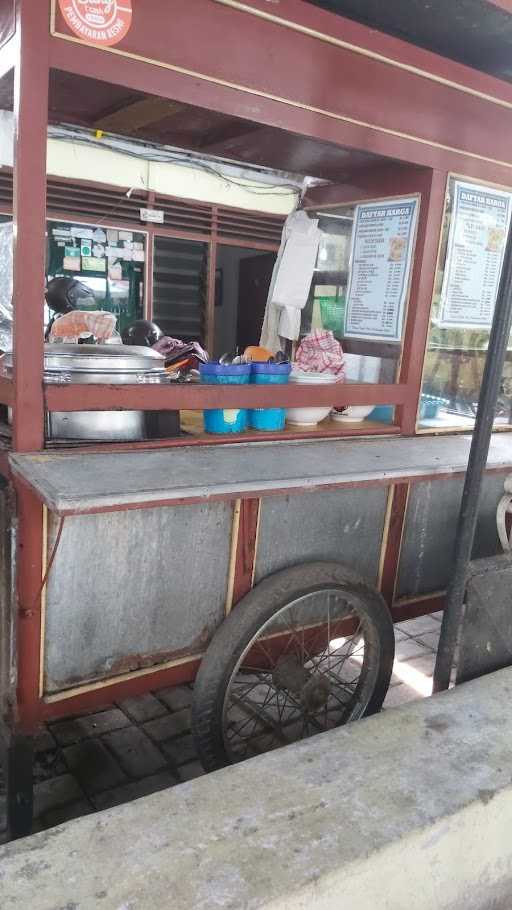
95,363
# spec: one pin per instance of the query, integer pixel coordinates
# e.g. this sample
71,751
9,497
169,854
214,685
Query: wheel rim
311,667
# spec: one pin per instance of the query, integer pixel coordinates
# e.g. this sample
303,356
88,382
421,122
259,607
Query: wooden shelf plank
191,396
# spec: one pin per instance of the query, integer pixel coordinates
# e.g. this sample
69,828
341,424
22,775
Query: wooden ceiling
98,105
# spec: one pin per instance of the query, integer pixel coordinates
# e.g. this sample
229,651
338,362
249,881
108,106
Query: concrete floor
143,745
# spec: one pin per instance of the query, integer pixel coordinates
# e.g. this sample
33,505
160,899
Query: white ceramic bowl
309,417
306,417
353,414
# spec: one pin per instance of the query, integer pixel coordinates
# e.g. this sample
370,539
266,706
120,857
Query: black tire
243,623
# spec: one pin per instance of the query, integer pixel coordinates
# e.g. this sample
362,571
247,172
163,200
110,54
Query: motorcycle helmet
142,332
66,294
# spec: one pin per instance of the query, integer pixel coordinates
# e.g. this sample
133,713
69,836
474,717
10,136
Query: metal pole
468,514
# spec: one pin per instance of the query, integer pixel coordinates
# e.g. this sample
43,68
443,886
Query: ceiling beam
234,132
137,115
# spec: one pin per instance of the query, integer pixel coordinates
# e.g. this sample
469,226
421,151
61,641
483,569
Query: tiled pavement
144,744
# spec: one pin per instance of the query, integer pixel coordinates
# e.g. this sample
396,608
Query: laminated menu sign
380,265
476,246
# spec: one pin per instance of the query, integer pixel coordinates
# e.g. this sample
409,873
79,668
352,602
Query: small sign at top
155,216
103,22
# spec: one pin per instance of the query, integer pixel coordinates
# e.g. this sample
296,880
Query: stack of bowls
309,417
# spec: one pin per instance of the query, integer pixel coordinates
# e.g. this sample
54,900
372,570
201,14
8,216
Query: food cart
123,563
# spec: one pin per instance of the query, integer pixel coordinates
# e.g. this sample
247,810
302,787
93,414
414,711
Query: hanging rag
319,352
291,280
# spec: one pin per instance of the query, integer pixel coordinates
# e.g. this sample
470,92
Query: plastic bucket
225,420
430,405
269,419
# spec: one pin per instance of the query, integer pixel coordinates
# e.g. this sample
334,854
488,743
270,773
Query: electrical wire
161,155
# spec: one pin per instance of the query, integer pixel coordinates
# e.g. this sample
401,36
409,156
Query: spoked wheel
309,649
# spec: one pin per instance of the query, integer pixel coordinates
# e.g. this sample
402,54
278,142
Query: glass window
179,287
471,254
110,261
361,281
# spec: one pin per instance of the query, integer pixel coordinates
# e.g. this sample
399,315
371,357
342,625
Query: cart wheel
308,649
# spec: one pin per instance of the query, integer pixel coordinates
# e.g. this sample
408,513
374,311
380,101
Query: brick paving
143,745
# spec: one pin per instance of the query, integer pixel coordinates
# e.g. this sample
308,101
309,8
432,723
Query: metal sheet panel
429,533
131,589
342,525
486,640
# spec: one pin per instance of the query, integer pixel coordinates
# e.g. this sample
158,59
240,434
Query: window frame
442,431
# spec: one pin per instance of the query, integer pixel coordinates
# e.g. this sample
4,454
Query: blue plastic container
269,419
225,420
429,409
383,413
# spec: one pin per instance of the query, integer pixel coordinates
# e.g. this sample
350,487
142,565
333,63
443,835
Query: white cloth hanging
291,280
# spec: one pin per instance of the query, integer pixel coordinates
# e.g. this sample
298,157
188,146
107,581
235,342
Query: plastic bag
69,327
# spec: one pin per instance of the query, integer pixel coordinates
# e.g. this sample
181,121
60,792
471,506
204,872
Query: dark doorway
243,280
253,284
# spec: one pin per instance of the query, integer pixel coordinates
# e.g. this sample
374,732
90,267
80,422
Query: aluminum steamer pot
107,364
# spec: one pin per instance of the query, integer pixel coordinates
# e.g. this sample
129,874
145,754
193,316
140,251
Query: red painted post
29,213
422,287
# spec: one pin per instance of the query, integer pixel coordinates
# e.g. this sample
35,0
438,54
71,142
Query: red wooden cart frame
290,66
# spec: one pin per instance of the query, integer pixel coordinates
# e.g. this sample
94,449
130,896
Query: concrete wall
410,810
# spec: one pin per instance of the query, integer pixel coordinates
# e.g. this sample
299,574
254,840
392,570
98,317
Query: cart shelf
68,483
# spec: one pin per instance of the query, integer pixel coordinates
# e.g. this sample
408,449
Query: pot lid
98,358
101,357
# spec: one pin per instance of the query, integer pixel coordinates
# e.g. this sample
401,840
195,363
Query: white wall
82,162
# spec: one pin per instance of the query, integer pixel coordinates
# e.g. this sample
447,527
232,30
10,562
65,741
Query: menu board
380,265
476,246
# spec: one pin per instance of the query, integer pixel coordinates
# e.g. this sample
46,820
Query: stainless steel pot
95,363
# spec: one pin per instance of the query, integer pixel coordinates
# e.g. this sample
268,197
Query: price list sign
476,246
380,266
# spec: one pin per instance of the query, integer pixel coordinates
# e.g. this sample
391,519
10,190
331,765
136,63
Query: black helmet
143,332
66,294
